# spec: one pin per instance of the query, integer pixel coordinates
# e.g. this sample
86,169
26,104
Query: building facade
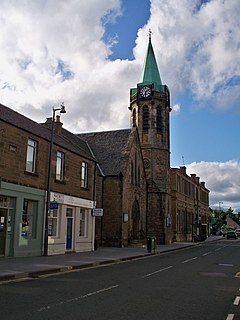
24,153
121,186
124,175
150,109
190,206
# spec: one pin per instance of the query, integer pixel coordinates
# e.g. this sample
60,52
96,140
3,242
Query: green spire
150,72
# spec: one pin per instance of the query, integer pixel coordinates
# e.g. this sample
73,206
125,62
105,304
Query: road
197,283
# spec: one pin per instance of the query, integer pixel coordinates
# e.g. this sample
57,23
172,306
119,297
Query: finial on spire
150,34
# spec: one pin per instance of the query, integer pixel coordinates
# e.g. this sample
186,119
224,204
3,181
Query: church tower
150,108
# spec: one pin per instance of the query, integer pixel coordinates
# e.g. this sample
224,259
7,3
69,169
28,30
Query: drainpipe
94,204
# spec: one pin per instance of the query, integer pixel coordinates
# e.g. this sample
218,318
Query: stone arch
135,220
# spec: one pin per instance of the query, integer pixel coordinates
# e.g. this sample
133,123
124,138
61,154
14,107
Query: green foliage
220,216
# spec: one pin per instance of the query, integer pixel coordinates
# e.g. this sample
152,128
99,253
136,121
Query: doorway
3,230
135,221
69,233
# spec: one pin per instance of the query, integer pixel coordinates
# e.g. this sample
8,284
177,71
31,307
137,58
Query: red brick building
24,154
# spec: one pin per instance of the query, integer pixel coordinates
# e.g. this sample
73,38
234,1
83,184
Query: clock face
145,91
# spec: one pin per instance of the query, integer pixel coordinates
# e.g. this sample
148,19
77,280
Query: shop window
69,213
84,174
31,156
53,223
83,223
29,218
60,166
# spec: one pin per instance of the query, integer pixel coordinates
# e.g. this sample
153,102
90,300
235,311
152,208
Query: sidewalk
17,268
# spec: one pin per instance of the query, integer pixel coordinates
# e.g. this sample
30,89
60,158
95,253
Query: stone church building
113,188
133,166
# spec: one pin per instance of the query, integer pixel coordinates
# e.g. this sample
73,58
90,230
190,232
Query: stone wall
13,152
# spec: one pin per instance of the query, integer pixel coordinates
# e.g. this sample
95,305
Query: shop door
3,230
69,216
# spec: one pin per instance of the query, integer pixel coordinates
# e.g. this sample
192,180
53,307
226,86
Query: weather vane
150,34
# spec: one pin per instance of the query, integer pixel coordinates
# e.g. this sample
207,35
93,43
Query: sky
88,54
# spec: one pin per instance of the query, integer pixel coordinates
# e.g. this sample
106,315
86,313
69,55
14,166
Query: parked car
231,234
238,232
223,231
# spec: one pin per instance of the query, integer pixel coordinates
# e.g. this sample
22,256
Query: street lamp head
62,110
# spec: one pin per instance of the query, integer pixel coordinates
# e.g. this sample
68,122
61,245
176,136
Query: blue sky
214,135
126,26
90,54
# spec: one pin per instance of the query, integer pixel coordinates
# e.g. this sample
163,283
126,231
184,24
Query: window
134,118
84,175
29,218
132,173
53,223
31,156
60,166
135,171
139,176
83,223
159,119
145,117
69,212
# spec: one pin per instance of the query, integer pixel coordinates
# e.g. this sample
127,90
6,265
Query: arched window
145,118
159,119
134,118
132,173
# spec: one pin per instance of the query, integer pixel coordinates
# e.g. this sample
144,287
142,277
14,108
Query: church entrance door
135,220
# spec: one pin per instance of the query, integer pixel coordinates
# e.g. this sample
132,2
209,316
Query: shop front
71,225
21,220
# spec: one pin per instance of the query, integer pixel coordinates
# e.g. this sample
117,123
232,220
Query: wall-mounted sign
125,217
97,212
53,205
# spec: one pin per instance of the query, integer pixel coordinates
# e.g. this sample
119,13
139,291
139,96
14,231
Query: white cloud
176,109
222,179
35,36
197,49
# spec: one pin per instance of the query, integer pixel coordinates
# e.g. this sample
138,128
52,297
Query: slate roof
66,140
108,148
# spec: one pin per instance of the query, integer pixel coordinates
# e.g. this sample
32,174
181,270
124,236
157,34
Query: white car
237,232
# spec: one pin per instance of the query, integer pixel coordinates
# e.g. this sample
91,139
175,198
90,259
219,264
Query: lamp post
62,110
219,203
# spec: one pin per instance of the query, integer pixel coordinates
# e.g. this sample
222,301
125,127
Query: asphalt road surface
197,283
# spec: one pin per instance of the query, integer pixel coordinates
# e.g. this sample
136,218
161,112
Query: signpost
97,212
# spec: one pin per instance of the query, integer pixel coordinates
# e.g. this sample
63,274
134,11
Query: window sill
33,174
85,188
60,181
